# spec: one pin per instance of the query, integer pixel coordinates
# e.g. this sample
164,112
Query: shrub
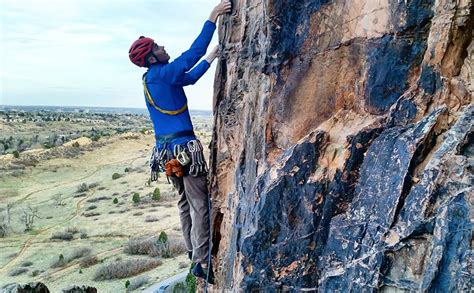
138,214
82,188
115,201
127,283
83,235
60,262
35,273
177,247
66,236
92,207
137,282
96,137
191,281
127,170
91,214
75,144
18,271
142,246
136,198
89,261
115,176
100,198
125,269
150,219
78,253
94,185
16,154
72,230
179,288
163,238
26,264
156,194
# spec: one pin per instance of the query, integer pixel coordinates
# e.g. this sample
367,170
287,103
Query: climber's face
160,53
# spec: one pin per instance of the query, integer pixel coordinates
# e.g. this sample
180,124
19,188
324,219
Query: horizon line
127,107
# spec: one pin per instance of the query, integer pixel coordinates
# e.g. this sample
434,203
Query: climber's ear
152,59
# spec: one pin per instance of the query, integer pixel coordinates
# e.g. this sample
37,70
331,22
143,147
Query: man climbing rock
178,152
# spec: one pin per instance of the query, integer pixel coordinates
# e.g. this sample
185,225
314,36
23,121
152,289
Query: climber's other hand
224,7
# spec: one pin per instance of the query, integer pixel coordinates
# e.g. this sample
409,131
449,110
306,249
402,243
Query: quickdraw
158,161
154,165
198,165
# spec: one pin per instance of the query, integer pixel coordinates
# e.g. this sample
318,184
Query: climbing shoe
199,272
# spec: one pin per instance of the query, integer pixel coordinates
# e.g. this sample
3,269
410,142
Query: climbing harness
190,155
198,164
151,102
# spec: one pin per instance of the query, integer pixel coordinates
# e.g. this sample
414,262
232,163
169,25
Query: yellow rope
150,100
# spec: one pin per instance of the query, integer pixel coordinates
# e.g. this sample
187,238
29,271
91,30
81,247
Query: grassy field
78,197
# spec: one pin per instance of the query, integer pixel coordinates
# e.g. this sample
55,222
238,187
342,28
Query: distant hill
139,111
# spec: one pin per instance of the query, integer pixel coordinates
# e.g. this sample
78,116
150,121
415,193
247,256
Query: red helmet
140,50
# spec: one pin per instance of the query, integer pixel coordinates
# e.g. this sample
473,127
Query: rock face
342,155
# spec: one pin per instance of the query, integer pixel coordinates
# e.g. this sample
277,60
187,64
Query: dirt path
78,207
98,168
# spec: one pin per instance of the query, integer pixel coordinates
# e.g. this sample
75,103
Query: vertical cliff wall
342,155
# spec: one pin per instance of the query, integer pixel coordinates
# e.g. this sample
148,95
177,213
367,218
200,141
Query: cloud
57,51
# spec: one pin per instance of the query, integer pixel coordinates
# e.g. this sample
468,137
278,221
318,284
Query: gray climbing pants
193,207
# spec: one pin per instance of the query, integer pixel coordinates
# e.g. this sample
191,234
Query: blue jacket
165,83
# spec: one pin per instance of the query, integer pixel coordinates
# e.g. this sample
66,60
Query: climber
177,151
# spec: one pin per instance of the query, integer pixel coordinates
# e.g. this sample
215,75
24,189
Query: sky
75,52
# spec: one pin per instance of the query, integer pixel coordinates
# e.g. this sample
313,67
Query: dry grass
124,269
152,247
150,219
89,261
138,282
76,254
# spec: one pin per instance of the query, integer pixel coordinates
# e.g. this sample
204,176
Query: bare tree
28,217
5,221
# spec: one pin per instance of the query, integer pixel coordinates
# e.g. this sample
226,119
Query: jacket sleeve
175,71
194,74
